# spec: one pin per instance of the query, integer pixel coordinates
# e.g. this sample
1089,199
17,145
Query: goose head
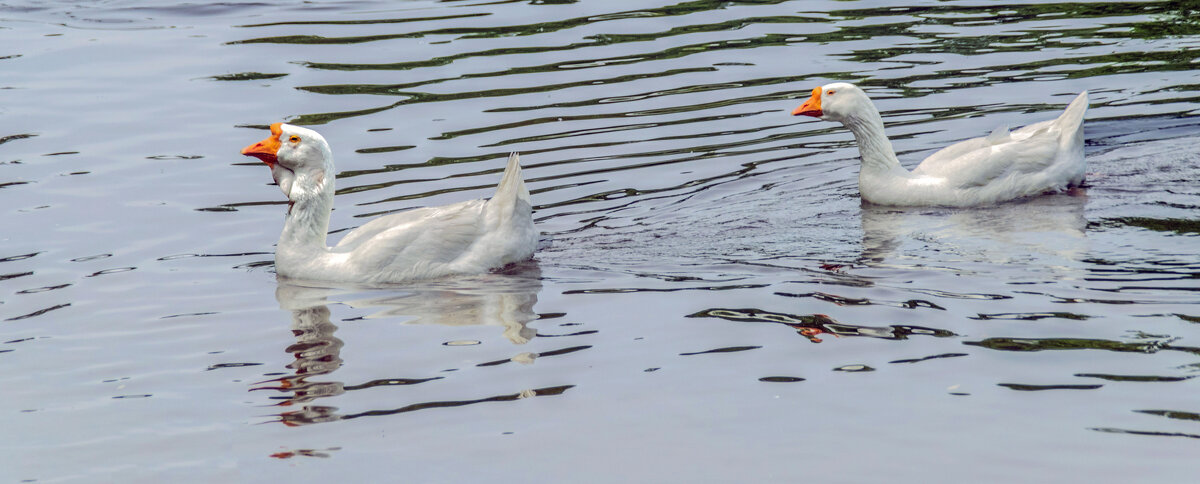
834,102
292,152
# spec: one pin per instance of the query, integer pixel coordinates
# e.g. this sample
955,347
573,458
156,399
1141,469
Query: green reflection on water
1041,344
924,41
1177,225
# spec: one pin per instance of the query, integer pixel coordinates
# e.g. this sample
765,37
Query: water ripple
676,197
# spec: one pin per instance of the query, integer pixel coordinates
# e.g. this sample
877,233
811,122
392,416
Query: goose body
468,237
1005,165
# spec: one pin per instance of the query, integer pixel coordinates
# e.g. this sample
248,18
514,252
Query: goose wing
980,161
1025,151
431,235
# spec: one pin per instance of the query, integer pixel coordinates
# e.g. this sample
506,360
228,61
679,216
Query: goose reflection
1048,226
503,299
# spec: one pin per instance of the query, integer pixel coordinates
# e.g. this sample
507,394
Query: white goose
1039,158
469,237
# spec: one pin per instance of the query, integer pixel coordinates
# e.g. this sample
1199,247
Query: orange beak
267,149
811,107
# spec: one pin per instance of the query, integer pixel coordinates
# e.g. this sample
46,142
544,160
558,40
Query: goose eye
830,92
294,139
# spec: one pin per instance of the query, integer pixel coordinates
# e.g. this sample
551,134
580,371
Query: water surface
711,301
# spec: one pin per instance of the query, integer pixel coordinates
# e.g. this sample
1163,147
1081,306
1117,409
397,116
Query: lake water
710,301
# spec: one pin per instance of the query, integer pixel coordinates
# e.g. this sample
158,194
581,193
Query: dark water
711,302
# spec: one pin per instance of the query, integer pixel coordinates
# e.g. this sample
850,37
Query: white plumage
468,237
1039,158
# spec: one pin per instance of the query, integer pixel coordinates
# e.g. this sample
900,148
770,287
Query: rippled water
711,302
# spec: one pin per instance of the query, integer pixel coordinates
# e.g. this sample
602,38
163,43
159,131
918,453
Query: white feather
468,237
1039,158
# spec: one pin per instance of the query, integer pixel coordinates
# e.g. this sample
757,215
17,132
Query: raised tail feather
1077,107
1071,139
512,185
1071,120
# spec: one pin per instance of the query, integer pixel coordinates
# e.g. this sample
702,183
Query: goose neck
873,144
310,204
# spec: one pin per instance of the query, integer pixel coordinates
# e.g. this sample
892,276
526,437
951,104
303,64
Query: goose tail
512,185
1070,141
1071,120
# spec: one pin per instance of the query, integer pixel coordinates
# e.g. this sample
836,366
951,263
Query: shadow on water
504,299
